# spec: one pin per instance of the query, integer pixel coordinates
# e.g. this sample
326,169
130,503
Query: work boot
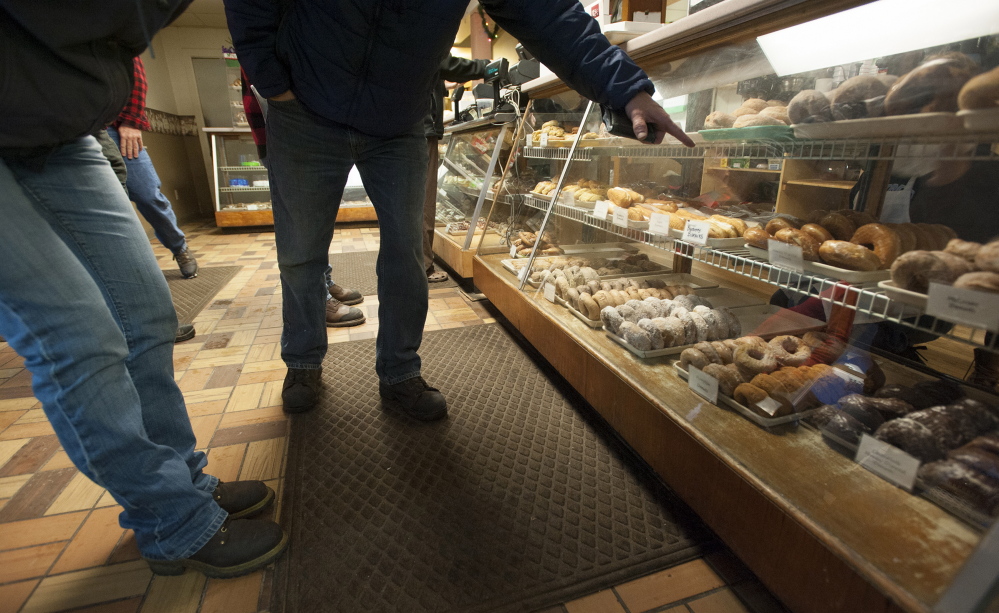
344,295
185,332
301,389
339,315
188,265
243,498
416,398
986,369
240,546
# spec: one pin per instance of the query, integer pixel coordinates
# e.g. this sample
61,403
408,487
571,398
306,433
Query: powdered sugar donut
700,326
636,336
650,328
611,319
676,332
689,327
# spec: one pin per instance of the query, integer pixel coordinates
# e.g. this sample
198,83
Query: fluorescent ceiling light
878,29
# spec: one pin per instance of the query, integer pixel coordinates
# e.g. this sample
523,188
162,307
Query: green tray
750,133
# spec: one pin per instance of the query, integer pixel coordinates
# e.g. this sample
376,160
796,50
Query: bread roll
809,106
981,92
744,110
777,112
718,120
747,121
929,88
757,104
858,97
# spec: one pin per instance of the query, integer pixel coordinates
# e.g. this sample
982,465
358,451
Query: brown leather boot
344,295
339,315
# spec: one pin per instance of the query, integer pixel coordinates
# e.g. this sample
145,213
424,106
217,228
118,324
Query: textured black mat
357,271
192,295
515,503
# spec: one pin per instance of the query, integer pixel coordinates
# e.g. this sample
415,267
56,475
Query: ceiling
211,14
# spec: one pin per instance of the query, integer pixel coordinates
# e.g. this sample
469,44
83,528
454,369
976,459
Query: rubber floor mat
520,500
190,296
357,271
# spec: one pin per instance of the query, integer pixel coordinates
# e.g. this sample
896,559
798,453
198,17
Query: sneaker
243,498
188,265
240,546
301,389
344,295
185,332
339,315
416,398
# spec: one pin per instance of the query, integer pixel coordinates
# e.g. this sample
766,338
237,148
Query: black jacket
66,66
457,70
372,64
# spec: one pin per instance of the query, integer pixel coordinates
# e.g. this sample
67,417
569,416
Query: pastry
860,408
750,120
777,112
849,256
790,350
981,92
858,97
817,232
983,281
905,235
911,437
753,360
915,270
987,257
757,104
881,239
757,237
718,120
936,392
744,110
965,249
809,106
931,87
809,246
839,226
779,223
728,377
958,479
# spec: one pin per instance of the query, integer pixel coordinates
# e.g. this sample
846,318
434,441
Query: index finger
675,131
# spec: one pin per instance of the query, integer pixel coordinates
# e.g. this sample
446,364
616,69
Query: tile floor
60,544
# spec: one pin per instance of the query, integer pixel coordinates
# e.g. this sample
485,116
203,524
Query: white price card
620,217
513,251
696,232
544,140
600,209
550,292
963,306
702,384
659,224
785,255
886,461
441,172
769,406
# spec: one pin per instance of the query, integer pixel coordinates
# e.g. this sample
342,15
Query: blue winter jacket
371,64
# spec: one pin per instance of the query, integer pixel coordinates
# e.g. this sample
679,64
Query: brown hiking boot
339,315
187,263
344,295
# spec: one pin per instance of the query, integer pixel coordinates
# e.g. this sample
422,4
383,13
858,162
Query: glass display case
468,182
801,310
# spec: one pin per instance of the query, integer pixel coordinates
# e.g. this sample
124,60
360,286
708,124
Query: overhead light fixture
881,28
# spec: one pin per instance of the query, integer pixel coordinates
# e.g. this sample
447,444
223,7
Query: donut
849,255
983,281
815,216
676,333
589,307
947,230
754,359
694,356
689,327
635,336
839,226
790,350
728,377
734,325
777,223
987,257
817,232
884,241
611,319
724,351
905,235
809,246
914,271
859,218
748,394
935,236
757,237
965,249
701,327
653,332
709,352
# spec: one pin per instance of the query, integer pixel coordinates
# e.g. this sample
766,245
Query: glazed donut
905,235
754,360
817,232
915,270
983,281
728,377
987,257
965,249
859,218
757,237
709,352
752,341
809,246
778,223
849,255
839,226
937,238
815,216
790,350
947,230
885,242
924,241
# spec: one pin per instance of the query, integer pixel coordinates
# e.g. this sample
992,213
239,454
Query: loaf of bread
719,120
747,121
809,106
981,92
858,97
931,87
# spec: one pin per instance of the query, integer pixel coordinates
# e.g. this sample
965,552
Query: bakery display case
468,182
794,322
241,189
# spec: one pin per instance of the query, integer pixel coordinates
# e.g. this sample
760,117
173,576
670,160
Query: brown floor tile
41,530
126,551
225,462
195,379
200,409
26,430
262,377
35,496
17,404
28,562
601,602
59,460
180,594
722,601
93,545
669,586
81,493
31,457
8,449
217,341
224,376
13,595
252,416
246,434
204,429
9,417
119,606
238,595
263,459
90,586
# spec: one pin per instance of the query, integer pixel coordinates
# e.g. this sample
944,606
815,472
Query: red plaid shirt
134,113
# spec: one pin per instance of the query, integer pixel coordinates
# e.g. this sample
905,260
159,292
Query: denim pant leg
394,172
144,189
84,302
308,163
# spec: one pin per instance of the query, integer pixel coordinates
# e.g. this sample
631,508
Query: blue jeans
84,302
144,189
308,162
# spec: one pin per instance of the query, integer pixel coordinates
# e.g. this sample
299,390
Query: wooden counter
821,532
